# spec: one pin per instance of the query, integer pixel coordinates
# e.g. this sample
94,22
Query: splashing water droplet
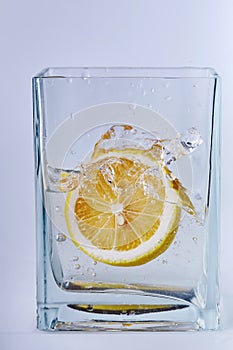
61,237
60,180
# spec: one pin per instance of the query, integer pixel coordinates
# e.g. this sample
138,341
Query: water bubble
57,208
194,239
191,139
67,284
120,219
60,237
198,197
93,274
77,266
75,258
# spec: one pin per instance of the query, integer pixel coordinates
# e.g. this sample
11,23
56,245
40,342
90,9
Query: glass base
156,314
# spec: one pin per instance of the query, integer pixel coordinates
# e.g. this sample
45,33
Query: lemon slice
126,208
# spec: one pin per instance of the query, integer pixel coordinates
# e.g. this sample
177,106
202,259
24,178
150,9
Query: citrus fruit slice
126,209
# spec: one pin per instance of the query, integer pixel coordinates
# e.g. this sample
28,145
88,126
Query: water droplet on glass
94,262
69,80
152,90
93,274
132,84
143,92
77,266
57,208
75,258
60,237
164,261
167,98
194,85
166,85
149,106
73,151
191,139
85,75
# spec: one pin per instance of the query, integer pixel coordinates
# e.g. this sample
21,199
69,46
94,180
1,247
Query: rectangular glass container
127,169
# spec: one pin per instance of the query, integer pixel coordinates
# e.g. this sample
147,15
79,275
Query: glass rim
127,72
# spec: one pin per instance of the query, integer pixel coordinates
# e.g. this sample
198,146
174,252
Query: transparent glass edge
63,72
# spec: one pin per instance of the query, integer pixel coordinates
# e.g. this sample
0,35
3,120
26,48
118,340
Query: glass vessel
127,198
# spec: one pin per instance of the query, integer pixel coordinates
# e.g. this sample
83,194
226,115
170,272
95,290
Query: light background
37,34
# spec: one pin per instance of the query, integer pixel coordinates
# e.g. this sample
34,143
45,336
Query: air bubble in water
191,139
120,219
198,197
194,239
60,237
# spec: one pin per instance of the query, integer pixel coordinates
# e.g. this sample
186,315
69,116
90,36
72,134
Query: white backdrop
37,34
